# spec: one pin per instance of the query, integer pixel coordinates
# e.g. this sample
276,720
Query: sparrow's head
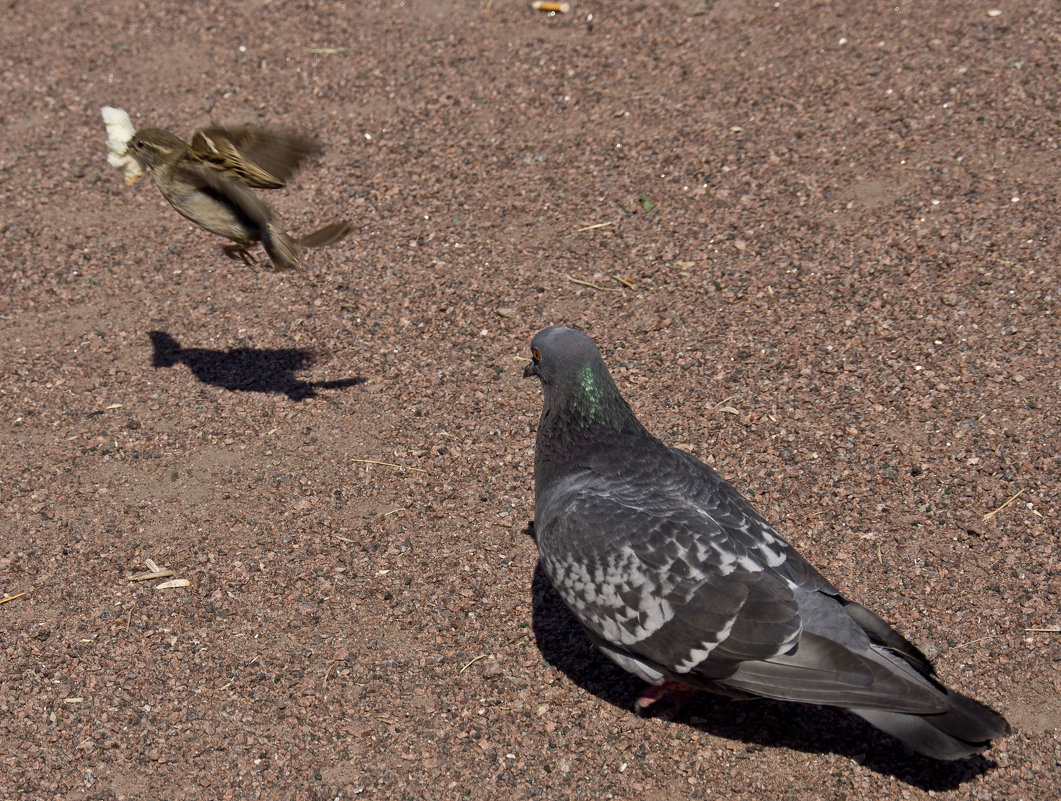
154,146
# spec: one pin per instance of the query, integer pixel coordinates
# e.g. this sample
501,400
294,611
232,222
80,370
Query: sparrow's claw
240,253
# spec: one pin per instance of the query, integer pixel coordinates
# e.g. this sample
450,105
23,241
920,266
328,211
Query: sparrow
209,181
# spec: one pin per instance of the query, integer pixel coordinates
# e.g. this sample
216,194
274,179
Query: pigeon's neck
585,416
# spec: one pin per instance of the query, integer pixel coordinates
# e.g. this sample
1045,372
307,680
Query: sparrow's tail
282,249
328,235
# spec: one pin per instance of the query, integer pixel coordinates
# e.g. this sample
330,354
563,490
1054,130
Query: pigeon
681,582
209,181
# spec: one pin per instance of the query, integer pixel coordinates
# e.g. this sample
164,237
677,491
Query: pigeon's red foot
679,695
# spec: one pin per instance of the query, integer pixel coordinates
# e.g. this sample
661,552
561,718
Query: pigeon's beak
530,369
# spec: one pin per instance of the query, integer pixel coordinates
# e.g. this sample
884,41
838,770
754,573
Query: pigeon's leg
679,694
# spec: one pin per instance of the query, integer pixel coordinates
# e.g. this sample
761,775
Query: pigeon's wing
691,587
819,600
668,585
259,157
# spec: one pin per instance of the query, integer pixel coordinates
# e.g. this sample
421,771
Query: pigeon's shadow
245,369
756,723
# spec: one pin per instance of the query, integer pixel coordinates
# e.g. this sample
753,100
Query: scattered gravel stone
485,153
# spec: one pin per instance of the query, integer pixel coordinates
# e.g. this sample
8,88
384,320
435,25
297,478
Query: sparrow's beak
530,369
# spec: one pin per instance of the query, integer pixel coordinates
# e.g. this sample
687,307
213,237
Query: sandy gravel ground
816,241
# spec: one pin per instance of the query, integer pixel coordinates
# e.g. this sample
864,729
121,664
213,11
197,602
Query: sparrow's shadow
245,369
756,723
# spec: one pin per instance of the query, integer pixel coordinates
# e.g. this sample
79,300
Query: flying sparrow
209,181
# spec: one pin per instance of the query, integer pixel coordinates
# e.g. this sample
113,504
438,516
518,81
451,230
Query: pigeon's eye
537,354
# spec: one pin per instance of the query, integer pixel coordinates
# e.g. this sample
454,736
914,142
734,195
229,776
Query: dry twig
722,407
591,285
328,670
972,642
481,656
595,226
994,512
389,464
151,574
7,597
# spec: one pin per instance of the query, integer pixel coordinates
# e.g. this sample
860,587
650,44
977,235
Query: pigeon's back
662,557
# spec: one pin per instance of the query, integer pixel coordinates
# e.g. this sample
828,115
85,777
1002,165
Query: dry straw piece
167,585
994,512
7,597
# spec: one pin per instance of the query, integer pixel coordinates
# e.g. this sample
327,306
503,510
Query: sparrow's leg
240,253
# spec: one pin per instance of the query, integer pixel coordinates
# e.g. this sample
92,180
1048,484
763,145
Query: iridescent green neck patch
590,391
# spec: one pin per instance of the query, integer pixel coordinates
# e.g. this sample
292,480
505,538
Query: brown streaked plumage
209,181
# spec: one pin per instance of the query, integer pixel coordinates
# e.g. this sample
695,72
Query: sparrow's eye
536,354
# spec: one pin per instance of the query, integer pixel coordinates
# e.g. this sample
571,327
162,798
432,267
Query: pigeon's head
583,406
579,391
559,355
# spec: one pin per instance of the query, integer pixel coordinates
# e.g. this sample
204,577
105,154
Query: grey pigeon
677,579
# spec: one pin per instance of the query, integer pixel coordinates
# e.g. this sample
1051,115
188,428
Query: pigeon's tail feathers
166,351
967,727
328,235
886,689
881,633
821,671
282,249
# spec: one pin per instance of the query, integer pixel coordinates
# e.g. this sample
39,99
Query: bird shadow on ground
756,723
245,369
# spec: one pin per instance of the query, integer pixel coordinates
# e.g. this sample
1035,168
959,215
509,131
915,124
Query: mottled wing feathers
259,157
700,592
681,586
